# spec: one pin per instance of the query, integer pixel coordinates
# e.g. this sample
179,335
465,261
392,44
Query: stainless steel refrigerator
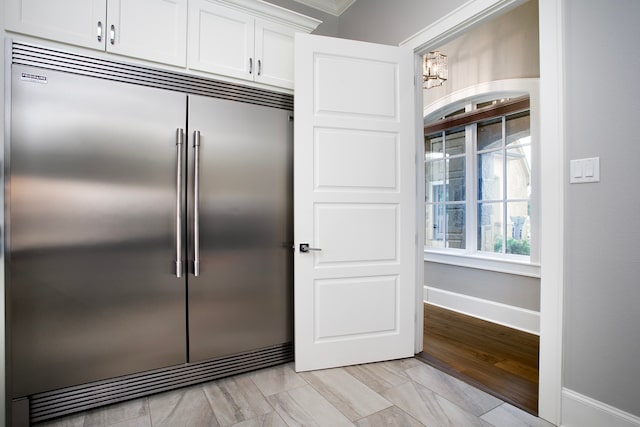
148,236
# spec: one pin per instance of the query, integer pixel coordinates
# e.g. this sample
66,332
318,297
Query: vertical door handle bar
112,35
250,65
259,66
99,35
179,144
196,203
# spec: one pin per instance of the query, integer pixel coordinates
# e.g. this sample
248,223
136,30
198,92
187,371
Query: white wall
329,26
390,22
503,288
504,48
602,261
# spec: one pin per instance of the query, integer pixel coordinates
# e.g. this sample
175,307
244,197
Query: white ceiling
334,7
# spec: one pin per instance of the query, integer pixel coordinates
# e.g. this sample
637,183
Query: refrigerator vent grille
66,401
36,56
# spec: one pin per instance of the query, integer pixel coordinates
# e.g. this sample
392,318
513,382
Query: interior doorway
447,349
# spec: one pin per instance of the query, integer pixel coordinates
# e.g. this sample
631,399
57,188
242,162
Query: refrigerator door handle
179,145
196,203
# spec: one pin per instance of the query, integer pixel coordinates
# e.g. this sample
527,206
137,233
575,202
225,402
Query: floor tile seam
366,385
206,397
455,404
301,407
147,406
337,398
492,409
257,386
330,402
145,403
287,390
265,397
386,409
180,390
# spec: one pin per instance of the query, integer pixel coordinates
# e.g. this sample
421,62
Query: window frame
471,256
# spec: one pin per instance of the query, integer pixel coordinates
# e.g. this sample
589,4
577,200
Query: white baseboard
583,411
503,314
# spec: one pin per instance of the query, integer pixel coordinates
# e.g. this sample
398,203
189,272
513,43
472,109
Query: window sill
501,265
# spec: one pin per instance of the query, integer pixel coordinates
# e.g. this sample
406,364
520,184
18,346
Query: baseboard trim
502,314
582,411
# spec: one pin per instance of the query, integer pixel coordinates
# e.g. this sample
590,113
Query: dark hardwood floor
497,359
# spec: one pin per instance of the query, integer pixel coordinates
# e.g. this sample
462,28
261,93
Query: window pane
456,226
455,142
519,172
518,129
490,134
434,180
433,147
518,228
456,188
490,176
490,238
434,226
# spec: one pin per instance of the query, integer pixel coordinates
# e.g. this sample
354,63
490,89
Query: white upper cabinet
154,30
78,22
220,39
149,29
245,39
274,53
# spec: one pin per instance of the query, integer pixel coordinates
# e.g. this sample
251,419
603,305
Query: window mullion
504,184
471,181
445,187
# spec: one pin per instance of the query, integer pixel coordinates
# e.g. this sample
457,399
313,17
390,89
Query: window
446,194
478,181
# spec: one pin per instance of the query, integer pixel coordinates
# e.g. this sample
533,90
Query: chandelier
434,69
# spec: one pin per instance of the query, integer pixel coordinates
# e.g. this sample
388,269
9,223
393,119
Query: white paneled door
354,203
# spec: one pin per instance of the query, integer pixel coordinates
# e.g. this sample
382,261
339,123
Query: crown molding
273,12
333,7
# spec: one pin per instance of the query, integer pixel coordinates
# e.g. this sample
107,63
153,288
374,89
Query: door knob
304,248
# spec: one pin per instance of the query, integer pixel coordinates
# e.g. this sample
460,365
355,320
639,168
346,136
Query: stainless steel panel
29,54
91,277
242,299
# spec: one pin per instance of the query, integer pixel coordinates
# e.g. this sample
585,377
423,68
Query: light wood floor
499,360
398,393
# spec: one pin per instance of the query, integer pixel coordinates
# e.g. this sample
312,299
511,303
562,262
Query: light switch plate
585,170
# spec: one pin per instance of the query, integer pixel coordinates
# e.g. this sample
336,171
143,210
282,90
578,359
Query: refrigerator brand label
33,78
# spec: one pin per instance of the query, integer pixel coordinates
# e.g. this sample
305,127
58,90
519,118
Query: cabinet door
75,22
274,54
155,30
220,40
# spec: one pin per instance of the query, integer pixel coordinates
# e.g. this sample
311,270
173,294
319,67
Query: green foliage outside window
518,247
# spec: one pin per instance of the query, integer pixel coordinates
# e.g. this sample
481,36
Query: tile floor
403,393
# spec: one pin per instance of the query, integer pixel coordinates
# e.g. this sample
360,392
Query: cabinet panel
69,21
220,40
274,53
149,29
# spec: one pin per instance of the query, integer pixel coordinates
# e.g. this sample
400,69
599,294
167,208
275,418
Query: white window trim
504,263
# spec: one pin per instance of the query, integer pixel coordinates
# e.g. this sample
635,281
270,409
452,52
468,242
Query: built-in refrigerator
148,231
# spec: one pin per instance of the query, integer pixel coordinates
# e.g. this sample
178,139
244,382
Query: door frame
552,155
